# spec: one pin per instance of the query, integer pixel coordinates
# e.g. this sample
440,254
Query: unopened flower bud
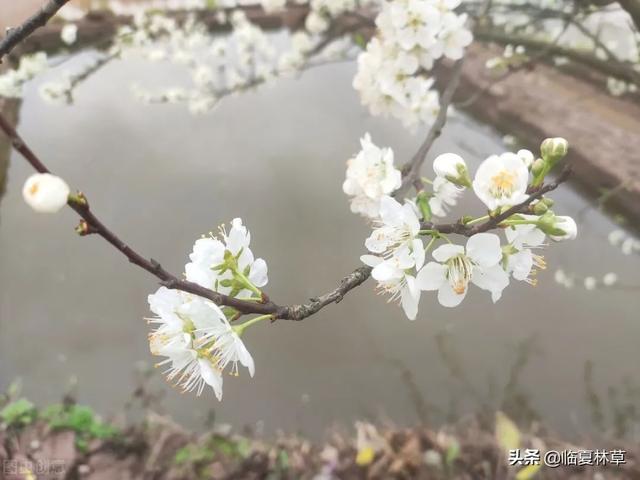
549,202
547,223
565,229
540,208
45,193
554,149
538,167
422,202
453,168
526,156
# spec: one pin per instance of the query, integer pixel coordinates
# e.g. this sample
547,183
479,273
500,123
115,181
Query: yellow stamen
503,184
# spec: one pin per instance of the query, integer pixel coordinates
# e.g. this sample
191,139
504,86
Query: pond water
72,307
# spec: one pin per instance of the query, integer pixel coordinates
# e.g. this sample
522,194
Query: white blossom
454,36
412,34
227,265
568,227
448,165
12,81
397,227
456,266
371,175
525,234
522,262
398,253
197,340
590,283
394,279
69,33
273,5
526,156
316,23
173,338
501,180
45,193
445,195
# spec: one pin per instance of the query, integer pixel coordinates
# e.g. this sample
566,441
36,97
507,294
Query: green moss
19,413
194,454
81,420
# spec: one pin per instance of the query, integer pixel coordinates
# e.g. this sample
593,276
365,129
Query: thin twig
18,34
411,171
618,69
523,207
95,226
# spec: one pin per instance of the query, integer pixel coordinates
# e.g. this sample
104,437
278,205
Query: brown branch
18,34
530,62
95,226
348,283
618,69
411,170
90,224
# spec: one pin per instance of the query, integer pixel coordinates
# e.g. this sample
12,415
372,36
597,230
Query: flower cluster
412,35
371,175
195,335
197,340
219,66
398,255
12,81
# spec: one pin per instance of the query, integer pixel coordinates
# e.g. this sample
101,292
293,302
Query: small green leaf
528,472
452,453
507,433
359,40
283,460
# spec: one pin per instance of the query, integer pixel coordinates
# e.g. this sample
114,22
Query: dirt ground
158,449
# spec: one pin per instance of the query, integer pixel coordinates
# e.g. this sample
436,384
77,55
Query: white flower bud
45,193
610,279
526,156
446,165
69,34
316,23
453,168
554,149
567,226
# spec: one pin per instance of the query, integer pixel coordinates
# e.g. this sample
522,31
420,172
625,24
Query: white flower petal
446,251
211,376
448,297
484,249
431,276
371,260
493,279
258,273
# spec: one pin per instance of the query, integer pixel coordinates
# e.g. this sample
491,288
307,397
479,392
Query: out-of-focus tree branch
16,35
620,70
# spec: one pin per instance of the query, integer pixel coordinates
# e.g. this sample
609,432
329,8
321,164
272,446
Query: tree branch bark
16,35
620,70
